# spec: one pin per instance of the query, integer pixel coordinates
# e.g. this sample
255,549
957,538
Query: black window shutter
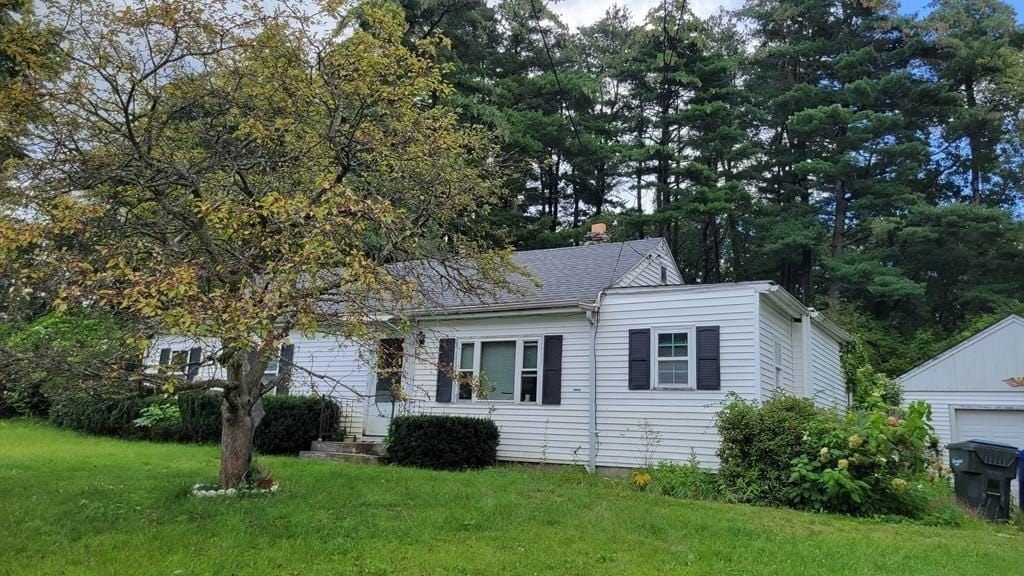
709,375
285,366
445,365
552,393
640,359
165,356
195,357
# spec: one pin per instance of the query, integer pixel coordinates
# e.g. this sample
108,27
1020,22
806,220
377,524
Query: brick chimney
598,234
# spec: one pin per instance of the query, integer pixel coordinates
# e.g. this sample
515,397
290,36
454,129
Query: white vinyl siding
332,368
335,368
982,363
530,432
648,271
777,330
827,370
636,427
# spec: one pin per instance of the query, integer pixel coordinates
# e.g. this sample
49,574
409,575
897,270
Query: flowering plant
865,462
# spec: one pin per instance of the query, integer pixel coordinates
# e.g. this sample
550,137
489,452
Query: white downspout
592,318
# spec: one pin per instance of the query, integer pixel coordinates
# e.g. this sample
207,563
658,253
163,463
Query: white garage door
1006,426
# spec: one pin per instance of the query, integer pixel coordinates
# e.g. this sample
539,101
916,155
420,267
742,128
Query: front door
385,385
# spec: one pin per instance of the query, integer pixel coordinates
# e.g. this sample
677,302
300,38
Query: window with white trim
529,375
673,355
273,367
499,370
174,362
179,360
467,369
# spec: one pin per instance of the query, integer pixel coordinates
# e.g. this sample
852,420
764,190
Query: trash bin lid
997,454
994,444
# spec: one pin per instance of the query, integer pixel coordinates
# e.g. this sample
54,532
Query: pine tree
976,53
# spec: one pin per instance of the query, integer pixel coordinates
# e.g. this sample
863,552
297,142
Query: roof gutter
789,304
501,310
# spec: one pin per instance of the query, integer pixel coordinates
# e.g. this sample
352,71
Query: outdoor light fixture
421,338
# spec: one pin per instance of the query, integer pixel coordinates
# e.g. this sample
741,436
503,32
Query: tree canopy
236,174
867,160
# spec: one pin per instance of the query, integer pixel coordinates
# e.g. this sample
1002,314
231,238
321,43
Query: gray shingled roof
566,275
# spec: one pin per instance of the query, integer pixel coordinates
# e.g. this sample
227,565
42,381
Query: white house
976,388
611,362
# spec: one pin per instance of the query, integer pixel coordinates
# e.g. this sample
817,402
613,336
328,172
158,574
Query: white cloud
576,13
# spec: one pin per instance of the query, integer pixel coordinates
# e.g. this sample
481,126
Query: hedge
290,423
442,442
109,416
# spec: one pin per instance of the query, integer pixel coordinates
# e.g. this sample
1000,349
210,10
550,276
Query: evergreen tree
976,53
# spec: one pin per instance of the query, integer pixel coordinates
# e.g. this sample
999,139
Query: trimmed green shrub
443,442
759,444
105,416
290,423
200,417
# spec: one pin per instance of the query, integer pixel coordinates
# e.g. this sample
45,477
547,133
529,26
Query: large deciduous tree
235,174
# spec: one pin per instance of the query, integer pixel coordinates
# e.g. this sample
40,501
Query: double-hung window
273,367
675,363
179,361
499,370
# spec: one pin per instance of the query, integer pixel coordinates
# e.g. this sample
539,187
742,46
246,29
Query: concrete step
363,447
340,457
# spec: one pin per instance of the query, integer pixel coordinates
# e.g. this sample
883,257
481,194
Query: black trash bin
982,472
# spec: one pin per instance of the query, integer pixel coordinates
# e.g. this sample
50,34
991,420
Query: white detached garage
976,388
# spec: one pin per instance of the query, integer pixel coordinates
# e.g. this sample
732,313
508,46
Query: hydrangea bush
872,460
868,462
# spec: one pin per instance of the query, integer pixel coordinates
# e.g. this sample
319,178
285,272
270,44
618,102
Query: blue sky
582,12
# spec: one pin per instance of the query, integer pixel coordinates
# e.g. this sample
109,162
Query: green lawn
72,504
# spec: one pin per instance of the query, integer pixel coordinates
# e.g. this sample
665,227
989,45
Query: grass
72,504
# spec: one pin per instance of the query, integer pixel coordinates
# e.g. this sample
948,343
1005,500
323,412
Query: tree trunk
712,250
640,188
806,276
735,249
241,410
663,174
235,441
972,143
838,236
